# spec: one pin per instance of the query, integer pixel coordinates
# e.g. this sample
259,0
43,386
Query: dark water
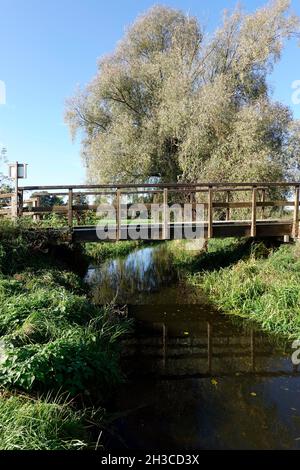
196,378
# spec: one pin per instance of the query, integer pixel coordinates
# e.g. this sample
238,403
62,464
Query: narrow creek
196,379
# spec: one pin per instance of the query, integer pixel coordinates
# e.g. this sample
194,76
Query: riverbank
251,280
59,356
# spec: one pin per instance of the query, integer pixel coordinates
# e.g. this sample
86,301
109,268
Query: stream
196,379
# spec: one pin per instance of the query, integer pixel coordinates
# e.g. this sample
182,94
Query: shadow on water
196,380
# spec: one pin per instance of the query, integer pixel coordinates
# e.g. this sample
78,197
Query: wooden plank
6,195
47,210
220,230
216,185
253,213
216,205
244,205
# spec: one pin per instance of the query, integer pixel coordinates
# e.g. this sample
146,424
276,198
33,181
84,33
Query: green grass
220,253
99,252
56,339
41,424
250,280
53,340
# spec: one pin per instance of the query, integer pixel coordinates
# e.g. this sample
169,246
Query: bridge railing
217,198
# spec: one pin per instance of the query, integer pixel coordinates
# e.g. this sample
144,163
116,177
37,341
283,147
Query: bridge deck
221,229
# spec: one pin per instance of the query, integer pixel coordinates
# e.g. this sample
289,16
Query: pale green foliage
175,103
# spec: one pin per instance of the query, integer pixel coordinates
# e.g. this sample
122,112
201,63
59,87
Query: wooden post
118,214
70,208
165,216
253,214
210,213
38,204
35,204
228,208
193,202
15,199
20,205
296,213
263,199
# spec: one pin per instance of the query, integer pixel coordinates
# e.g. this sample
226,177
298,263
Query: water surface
197,379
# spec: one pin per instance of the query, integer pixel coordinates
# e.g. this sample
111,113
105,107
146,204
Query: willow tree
175,103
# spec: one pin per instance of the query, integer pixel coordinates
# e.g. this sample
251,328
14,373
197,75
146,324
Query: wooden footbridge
229,209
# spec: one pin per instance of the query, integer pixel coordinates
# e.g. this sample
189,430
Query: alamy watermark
152,221
2,92
296,354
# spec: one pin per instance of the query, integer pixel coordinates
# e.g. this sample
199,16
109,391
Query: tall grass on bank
219,253
36,424
261,287
53,339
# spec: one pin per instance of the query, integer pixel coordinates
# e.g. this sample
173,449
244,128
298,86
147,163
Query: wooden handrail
223,191
162,185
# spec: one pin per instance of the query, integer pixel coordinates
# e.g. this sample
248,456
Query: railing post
15,198
70,208
253,214
296,213
118,214
37,203
20,205
165,215
193,203
210,213
263,199
228,208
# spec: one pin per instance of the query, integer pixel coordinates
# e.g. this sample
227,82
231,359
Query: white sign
22,170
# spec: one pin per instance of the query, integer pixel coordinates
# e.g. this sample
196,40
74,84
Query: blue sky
48,47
